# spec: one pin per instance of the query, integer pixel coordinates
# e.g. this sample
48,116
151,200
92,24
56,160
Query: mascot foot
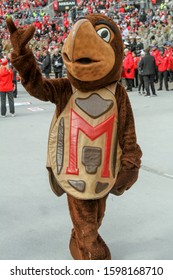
98,251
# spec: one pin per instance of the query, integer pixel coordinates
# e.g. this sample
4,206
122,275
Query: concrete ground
35,224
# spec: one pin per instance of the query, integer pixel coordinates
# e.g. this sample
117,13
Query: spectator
128,69
46,64
6,88
57,63
39,58
163,65
132,43
155,53
136,62
141,87
142,15
170,67
139,46
15,92
147,68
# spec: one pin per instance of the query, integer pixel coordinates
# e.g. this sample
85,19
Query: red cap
4,61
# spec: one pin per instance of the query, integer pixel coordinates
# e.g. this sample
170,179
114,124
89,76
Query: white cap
126,43
126,50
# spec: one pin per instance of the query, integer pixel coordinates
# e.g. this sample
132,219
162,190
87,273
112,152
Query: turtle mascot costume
92,146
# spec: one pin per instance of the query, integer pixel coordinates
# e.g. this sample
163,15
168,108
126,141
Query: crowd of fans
140,26
153,25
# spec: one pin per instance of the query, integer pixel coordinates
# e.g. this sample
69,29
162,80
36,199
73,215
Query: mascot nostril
92,146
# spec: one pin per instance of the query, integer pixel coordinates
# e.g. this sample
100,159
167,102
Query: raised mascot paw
19,36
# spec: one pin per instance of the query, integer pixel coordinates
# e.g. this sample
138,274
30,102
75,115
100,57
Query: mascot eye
104,33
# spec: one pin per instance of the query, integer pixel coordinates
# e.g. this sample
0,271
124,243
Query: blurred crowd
154,25
141,27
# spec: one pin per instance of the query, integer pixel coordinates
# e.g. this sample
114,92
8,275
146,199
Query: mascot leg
87,216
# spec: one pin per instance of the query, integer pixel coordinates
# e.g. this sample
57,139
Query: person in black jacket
147,68
139,46
57,63
46,64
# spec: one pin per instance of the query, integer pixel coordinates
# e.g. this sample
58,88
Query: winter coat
147,65
162,63
57,63
46,64
168,52
155,53
6,79
139,48
136,61
128,66
170,63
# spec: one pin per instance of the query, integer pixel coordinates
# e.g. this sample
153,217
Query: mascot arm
56,91
131,152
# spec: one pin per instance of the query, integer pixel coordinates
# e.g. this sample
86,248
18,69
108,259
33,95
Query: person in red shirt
37,24
168,49
136,62
66,23
121,9
6,87
163,65
170,67
155,52
169,52
128,69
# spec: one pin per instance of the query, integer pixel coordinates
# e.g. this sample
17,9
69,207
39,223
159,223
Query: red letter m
78,123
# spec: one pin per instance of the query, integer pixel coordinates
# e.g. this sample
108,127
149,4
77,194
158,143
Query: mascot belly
83,150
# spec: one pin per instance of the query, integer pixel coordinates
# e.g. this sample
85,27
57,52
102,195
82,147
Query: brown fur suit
93,54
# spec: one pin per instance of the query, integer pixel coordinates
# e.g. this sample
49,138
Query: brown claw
10,24
29,32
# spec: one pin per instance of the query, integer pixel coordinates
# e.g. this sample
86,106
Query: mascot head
93,53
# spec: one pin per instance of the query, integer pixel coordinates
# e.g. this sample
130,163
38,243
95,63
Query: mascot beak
86,55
